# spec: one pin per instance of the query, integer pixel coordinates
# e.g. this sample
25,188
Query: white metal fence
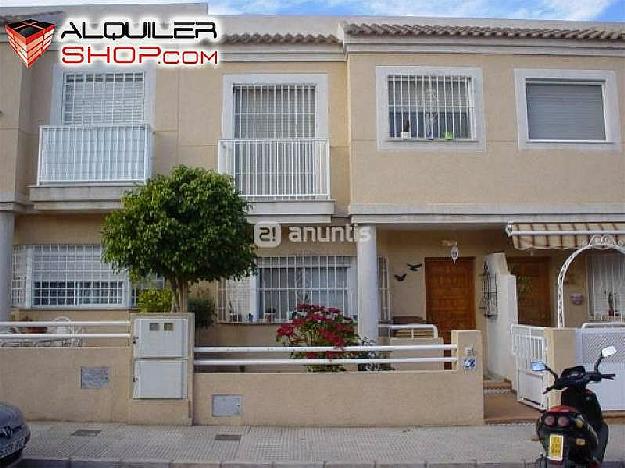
271,361
591,338
278,168
60,332
528,344
94,153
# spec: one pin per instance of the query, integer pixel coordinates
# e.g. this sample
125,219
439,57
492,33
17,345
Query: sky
598,10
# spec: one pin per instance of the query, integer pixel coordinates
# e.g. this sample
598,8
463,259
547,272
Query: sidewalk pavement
115,445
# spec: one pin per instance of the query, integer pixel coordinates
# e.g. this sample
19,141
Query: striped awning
561,235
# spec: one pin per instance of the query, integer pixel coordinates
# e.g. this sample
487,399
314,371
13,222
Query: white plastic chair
66,330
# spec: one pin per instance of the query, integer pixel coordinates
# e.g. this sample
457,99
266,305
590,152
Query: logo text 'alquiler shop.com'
181,42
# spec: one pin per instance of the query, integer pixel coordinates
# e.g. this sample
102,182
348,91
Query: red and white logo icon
30,39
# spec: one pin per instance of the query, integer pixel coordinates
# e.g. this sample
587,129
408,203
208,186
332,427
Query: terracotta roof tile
379,29
257,38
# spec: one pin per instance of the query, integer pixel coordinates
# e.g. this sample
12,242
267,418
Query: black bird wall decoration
414,267
400,277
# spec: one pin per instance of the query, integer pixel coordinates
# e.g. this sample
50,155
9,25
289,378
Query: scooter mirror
538,366
609,351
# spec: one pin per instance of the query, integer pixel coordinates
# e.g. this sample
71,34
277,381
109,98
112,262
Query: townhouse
436,138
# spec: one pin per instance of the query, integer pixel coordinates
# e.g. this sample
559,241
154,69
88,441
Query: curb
41,462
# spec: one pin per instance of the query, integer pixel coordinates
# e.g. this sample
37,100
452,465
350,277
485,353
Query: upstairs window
565,110
103,98
568,109
274,111
426,108
431,107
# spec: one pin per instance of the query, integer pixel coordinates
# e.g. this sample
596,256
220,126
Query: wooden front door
450,294
533,292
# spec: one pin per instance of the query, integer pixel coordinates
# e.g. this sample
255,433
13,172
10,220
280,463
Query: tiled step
497,386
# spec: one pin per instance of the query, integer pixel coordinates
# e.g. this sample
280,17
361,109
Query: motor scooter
574,433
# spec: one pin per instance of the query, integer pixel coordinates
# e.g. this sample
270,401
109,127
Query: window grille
606,278
103,98
282,283
488,301
66,276
279,111
234,300
565,110
385,290
19,276
431,107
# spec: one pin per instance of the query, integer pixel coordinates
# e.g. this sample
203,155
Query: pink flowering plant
315,325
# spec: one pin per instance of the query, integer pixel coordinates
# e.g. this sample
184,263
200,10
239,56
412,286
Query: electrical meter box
160,378
160,338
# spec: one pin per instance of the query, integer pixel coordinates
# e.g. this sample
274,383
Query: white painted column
7,226
368,294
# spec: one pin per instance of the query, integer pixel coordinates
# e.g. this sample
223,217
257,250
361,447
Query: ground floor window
606,282
69,276
281,283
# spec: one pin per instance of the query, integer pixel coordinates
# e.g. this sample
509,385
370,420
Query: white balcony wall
278,169
119,153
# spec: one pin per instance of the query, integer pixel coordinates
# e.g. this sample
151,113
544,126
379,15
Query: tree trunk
183,298
174,296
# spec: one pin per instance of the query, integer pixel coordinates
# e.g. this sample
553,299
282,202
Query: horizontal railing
411,327
604,325
323,349
278,169
63,330
94,154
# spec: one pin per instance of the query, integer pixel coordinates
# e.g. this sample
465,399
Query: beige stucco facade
419,196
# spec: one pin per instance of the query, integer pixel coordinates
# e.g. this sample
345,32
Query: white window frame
385,142
149,83
319,80
607,79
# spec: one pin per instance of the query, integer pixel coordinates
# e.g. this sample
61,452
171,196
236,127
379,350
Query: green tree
188,226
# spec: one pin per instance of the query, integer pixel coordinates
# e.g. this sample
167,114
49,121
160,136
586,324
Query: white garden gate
591,338
528,344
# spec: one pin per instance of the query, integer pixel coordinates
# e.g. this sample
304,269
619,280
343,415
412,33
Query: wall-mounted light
454,251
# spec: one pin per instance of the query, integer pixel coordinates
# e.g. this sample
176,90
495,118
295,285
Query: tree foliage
187,226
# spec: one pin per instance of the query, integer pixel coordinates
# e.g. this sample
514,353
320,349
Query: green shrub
204,310
154,300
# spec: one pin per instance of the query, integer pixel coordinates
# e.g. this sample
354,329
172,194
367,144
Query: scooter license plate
556,447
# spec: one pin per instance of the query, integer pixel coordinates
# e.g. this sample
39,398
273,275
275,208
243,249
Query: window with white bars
68,276
19,276
103,98
384,289
281,283
274,111
431,107
606,281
